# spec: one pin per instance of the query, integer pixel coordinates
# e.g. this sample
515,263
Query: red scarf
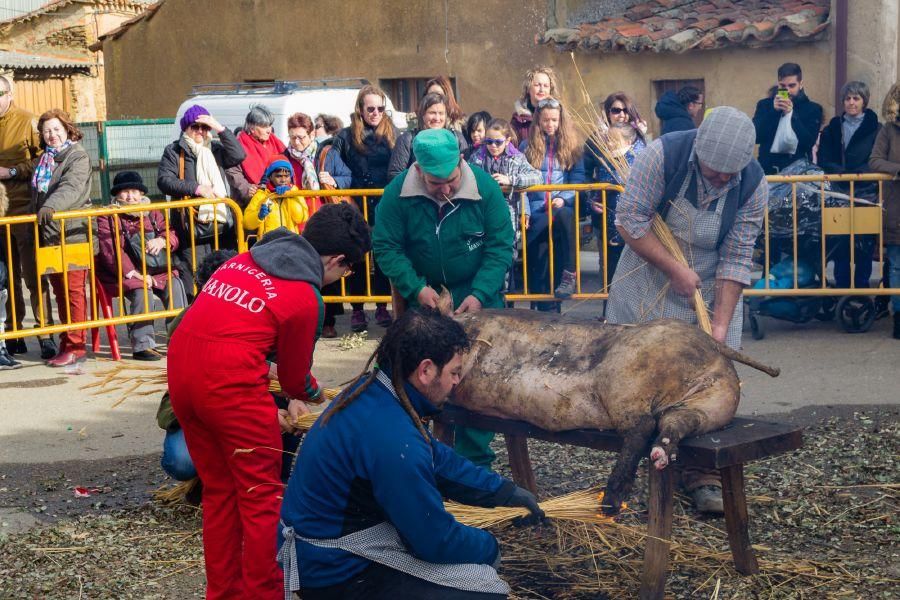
258,155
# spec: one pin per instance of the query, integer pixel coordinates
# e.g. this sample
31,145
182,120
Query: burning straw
606,146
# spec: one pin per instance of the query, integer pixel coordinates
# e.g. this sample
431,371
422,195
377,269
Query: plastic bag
785,141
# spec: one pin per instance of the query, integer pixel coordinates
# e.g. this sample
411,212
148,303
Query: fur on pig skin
562,373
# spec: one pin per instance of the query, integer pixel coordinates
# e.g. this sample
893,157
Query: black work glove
45,215
522,497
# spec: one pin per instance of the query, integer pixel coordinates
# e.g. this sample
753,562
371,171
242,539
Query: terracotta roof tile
682,25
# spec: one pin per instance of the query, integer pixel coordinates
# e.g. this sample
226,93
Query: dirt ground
824,519
831,507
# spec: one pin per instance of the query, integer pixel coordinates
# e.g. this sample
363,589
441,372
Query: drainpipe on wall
841,17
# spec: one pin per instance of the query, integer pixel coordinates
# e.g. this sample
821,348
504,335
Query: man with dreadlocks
363,515
259,302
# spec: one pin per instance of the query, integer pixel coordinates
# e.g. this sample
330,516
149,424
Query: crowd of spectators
46,170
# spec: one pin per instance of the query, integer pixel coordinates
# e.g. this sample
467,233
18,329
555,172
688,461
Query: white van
229,103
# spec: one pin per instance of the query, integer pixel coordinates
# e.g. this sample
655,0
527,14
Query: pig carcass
562,373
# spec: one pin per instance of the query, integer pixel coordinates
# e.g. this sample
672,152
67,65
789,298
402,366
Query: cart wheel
756,328
856,313
826,312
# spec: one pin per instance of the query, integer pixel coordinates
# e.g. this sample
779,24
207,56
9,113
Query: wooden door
40,95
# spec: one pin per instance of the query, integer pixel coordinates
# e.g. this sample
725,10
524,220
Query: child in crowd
474,131
623,132
266,210
553,148
497,154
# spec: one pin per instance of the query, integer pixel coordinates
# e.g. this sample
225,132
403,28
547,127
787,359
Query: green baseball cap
437,152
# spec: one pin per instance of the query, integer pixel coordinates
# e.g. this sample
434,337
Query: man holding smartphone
805,120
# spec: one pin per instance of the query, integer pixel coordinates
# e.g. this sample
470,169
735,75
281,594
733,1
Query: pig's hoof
659,458
610,510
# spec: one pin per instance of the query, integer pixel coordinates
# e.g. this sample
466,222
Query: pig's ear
445,302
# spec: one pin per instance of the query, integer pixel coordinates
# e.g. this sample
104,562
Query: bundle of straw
662,231
306,421
582,506
168,495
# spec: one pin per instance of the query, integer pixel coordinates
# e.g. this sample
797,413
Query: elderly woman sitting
143,274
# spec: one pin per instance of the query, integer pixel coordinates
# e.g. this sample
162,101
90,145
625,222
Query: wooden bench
741,442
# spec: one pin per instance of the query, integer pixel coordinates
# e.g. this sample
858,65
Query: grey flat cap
725,140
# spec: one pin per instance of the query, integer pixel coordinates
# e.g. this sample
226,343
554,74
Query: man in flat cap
442,223
712,194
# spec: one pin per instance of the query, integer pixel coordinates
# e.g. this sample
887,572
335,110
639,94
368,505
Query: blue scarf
44,169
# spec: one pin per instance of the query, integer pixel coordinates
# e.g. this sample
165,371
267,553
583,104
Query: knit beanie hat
190,116
725,140
437,152
278,162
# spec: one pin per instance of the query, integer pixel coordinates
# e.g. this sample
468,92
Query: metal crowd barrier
859,218
56,260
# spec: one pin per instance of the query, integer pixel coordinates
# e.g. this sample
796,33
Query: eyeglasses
372,109
615,110
492,142
200,127
548,103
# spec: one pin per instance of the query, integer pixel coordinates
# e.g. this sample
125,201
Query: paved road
45,417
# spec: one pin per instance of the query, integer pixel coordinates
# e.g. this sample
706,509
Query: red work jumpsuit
217,381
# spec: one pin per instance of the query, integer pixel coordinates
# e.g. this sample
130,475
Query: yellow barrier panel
861,217
54,260
858,218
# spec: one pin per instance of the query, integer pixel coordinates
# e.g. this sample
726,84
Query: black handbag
156,263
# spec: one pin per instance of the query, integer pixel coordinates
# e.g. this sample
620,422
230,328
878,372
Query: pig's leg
674,426
634,446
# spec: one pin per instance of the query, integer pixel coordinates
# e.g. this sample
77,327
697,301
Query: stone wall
486,46
67,33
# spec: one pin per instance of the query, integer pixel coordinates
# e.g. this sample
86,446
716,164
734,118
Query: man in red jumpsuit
260,302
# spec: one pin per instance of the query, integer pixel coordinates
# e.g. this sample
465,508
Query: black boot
897,326
6,360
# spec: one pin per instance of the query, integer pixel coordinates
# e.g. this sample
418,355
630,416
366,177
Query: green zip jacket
469,251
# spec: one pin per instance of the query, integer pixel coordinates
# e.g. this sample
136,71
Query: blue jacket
370,464
673,115
575,174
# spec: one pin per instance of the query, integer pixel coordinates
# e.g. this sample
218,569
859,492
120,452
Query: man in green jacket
444,223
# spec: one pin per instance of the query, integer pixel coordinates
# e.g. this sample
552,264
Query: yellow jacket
286,212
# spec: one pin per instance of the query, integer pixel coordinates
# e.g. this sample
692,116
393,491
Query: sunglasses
492,142
200,127
372,109
615,110
548,103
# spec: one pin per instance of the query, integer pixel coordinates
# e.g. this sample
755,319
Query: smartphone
783,94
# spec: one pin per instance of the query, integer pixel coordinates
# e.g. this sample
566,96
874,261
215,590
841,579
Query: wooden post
659,532
736,519
520,463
